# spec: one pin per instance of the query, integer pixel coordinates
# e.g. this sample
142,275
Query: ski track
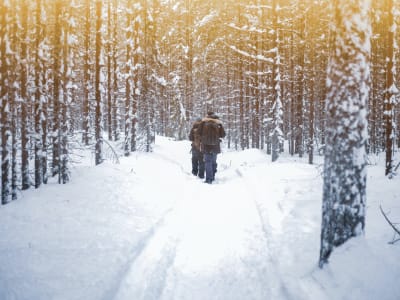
137,250
199,248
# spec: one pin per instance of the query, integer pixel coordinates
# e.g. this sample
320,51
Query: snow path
147,229
209,246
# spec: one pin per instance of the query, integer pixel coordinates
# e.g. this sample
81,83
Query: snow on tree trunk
344,195
115,117
26,181
86,76
67,66
390,92
56,88
277,135
98,115
299,139
5,106
38,97
135,77
128,80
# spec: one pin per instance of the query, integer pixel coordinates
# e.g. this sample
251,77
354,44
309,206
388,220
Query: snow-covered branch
252,56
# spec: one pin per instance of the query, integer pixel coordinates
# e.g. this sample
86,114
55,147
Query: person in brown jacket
197,155
211,131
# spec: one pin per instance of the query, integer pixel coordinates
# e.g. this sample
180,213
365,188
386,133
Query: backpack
210,133
196,138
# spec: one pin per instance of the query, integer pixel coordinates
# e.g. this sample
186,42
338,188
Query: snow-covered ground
148,229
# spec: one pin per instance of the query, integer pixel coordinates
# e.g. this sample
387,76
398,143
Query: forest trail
147,229
210,245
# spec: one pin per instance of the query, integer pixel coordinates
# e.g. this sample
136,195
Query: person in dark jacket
197,155
211,132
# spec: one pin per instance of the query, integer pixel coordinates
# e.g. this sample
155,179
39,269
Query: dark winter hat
212,115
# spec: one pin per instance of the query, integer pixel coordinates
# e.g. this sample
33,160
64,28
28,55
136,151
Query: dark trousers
211,165
197,163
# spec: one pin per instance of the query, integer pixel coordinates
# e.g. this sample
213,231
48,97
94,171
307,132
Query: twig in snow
392,225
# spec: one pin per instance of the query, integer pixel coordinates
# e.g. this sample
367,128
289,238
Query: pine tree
135,77
5,103
67,65
86,76
56,117
129,131
98,112
277,134
344,189
299,109
24,62
390,91
115,70
38,106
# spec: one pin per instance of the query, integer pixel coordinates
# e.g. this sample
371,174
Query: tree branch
391,224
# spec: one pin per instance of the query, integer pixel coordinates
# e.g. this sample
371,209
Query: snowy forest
300,78
79,73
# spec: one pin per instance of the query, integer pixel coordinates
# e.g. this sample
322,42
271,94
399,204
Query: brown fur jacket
211,148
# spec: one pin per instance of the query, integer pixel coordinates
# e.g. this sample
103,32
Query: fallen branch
391,224
398,165
112,152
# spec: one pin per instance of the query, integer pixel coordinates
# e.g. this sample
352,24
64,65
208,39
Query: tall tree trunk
277,106
292,116
14,150
98,115
135,88
56,88
109,75
86,77
344,189
5,105
14,109
26,182
312,94
66,82
38,97
390,91
44,125
115,116
128,80
300,79
188,61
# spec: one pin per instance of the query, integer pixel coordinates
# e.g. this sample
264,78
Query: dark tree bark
311,97
292,116
128,81
86,77
390,92
277,107
110,92
98,115
5,106
38,97
26,181
64,105
136,88
188,61
56,120
299,146
115,116
344,189
311,126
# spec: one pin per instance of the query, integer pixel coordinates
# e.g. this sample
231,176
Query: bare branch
391,224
